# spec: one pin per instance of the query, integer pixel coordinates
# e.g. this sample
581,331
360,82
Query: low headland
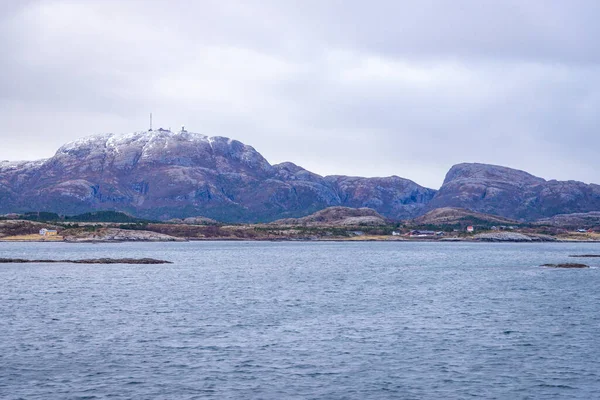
330,224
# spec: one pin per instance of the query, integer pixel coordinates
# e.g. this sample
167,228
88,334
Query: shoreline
457,240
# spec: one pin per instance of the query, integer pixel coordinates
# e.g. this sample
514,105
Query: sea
301,320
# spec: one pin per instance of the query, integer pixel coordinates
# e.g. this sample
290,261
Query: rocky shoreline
121,239
513,237
117,235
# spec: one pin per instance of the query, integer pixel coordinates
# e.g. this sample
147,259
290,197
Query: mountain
512,193
459,216
162,174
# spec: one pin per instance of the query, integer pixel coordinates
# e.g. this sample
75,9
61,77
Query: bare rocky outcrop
459,216
338,216
115,235
512,237
193,221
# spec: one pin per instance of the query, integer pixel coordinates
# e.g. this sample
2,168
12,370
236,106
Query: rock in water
566,265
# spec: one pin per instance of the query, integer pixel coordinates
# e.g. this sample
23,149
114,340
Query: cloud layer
340,87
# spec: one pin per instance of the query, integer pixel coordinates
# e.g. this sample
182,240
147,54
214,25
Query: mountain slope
512,193
162,174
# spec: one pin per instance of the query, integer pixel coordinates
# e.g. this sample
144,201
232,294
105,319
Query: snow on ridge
148,144
113,141
6,165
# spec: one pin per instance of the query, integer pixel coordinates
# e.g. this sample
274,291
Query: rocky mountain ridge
162,175
512,193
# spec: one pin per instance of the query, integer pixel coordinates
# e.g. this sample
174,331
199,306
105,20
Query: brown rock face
163,175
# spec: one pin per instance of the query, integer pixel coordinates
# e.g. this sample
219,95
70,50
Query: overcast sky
370,88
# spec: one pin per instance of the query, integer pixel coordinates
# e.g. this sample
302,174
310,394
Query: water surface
256,320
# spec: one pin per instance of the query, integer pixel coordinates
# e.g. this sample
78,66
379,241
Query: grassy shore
34,237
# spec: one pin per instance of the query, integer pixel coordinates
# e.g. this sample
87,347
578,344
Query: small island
566,265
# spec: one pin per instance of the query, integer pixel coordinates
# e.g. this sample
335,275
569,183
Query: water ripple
301,321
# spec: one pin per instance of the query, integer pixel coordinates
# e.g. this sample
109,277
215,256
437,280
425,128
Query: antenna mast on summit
150,121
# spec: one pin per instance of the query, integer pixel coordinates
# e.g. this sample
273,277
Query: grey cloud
346,87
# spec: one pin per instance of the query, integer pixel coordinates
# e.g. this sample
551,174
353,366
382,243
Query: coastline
26,231
236,239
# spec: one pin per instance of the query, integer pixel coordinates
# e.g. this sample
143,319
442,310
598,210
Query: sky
367,88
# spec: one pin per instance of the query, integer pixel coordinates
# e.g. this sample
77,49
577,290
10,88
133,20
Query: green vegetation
140,226
97,216
41,216
103,216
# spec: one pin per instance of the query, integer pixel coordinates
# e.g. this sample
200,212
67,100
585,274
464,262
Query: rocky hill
338,216
459,216
163,174
576,220
512,193
115,235
193,221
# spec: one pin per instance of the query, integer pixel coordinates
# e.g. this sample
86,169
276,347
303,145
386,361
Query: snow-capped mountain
163,174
